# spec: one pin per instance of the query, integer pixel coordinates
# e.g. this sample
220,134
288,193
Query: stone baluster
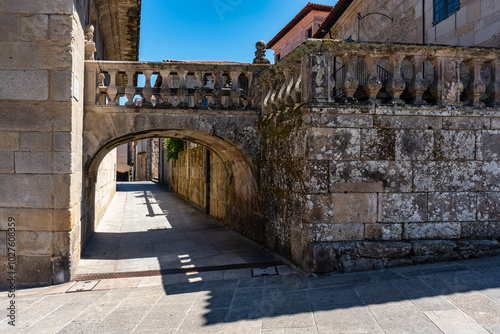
493,88
90,48
130,89
447,86
234,93
373,83
350,82
182,92
147,91
274,91
268,92
476,86
112,89
396,84
418,85
280,102
290,84
297,87
165,89
217,91
249,96
199,92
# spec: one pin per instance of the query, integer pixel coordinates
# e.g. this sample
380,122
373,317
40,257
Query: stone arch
104,132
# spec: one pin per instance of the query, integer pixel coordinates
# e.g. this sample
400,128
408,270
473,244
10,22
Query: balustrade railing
171,84
321,72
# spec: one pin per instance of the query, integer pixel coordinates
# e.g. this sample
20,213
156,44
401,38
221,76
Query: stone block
35,7
408,122
480,230
20,191
9,27
432,247
495,123
385,232
354,207
36,141
370,176
453,176
67,162
3,243
349,265
399,208
60,28
34,27
297,246
472,248
318,209
333,144
315,176
61,85
414,145
454,145
340,121
6,162
319,258
9,141
62,243
100,125
34,270
416,231
466,123
44,116
488,144
67,190
488,206
34,242
33,162
19,56
326,232
381,249
451,206
378,144
24,85
27,219
294,209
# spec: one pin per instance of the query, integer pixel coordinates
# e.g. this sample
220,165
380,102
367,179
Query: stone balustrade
171,84
328,72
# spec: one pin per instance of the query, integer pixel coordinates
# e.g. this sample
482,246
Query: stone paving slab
443,298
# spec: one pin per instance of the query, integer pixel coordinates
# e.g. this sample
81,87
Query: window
310,32
444,9
277,58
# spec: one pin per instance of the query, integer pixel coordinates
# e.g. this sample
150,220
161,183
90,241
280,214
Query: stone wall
354,188
476,23
188,179
105,187
41,114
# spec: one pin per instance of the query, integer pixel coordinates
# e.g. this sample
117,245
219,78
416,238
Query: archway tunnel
235,203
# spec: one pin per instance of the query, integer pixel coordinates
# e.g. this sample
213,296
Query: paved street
146,228
454,297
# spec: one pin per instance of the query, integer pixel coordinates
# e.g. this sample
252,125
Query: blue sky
212,29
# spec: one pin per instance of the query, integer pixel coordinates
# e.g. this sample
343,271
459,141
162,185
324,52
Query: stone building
303,26
448,22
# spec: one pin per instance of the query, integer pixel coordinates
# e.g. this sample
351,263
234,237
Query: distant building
303,26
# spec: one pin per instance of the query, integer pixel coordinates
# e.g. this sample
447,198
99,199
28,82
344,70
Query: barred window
444,9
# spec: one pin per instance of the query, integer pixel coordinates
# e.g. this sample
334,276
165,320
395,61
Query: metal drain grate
146,273
264,271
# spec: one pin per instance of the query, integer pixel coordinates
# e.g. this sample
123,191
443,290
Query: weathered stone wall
476,23
188,179
105,187
354,188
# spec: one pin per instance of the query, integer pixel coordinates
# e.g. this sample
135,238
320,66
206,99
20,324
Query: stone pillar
41,114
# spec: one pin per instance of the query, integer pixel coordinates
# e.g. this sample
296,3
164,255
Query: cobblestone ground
453,297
